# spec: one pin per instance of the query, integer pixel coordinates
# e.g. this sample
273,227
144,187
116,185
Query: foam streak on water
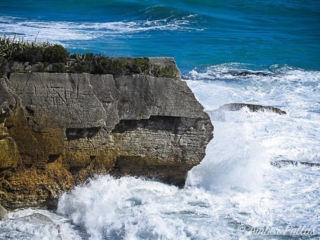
60,32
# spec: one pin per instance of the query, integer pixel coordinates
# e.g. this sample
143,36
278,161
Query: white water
37,224
234,193
61,31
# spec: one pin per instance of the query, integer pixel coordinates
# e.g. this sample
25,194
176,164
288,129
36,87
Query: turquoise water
259,52
195,33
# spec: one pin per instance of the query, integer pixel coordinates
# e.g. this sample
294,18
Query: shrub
12,49
82,67
59,68
19,50
142,64
166,71
104,65
31,54
83,63
55,54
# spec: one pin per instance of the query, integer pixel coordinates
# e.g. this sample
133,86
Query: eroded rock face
251,107
3,213
58,129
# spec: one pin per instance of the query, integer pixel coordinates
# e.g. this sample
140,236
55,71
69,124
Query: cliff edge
58,129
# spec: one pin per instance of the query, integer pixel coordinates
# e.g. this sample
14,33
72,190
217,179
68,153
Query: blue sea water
195,33
234,193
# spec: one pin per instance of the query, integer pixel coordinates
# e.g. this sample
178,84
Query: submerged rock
66,127
251,73
251,107
36,217
283,163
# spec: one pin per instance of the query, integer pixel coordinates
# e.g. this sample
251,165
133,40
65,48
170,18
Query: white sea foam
37,224
60,31
290,194
130,208
226,162
293,136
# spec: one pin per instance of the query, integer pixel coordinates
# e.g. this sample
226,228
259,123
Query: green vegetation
166,71
142,64
82,63
55,54
18,50
59,68
46,57
114,66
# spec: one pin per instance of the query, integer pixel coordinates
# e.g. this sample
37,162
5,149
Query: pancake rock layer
59,129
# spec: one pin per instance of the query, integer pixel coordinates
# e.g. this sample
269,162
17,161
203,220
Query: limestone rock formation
283,163
252,107
3,213
58,129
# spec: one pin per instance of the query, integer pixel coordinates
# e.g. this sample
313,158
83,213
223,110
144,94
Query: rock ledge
58,129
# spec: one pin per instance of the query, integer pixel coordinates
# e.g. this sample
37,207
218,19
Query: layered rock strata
58,129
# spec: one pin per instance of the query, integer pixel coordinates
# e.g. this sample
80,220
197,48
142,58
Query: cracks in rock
153,97
63,100
98,99
27,82
78,89
30,110
93,147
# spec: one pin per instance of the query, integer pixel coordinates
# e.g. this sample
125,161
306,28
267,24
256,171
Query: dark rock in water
252,107
59,129
250,73
310,164
283,163
3,213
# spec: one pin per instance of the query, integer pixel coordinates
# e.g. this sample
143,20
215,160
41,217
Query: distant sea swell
195,33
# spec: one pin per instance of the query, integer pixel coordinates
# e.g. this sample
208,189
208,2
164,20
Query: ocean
258,52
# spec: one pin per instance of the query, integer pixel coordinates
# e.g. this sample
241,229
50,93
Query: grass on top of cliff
55,58
22,51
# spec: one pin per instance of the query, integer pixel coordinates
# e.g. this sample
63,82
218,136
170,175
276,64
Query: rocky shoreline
57,129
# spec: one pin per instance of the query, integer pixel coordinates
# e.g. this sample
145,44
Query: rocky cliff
58,129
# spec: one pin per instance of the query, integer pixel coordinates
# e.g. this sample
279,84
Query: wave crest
59,31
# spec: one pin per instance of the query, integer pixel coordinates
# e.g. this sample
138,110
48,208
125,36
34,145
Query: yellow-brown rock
58,129
9,154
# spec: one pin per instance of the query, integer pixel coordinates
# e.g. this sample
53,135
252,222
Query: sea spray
134,208
37,224
233,160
